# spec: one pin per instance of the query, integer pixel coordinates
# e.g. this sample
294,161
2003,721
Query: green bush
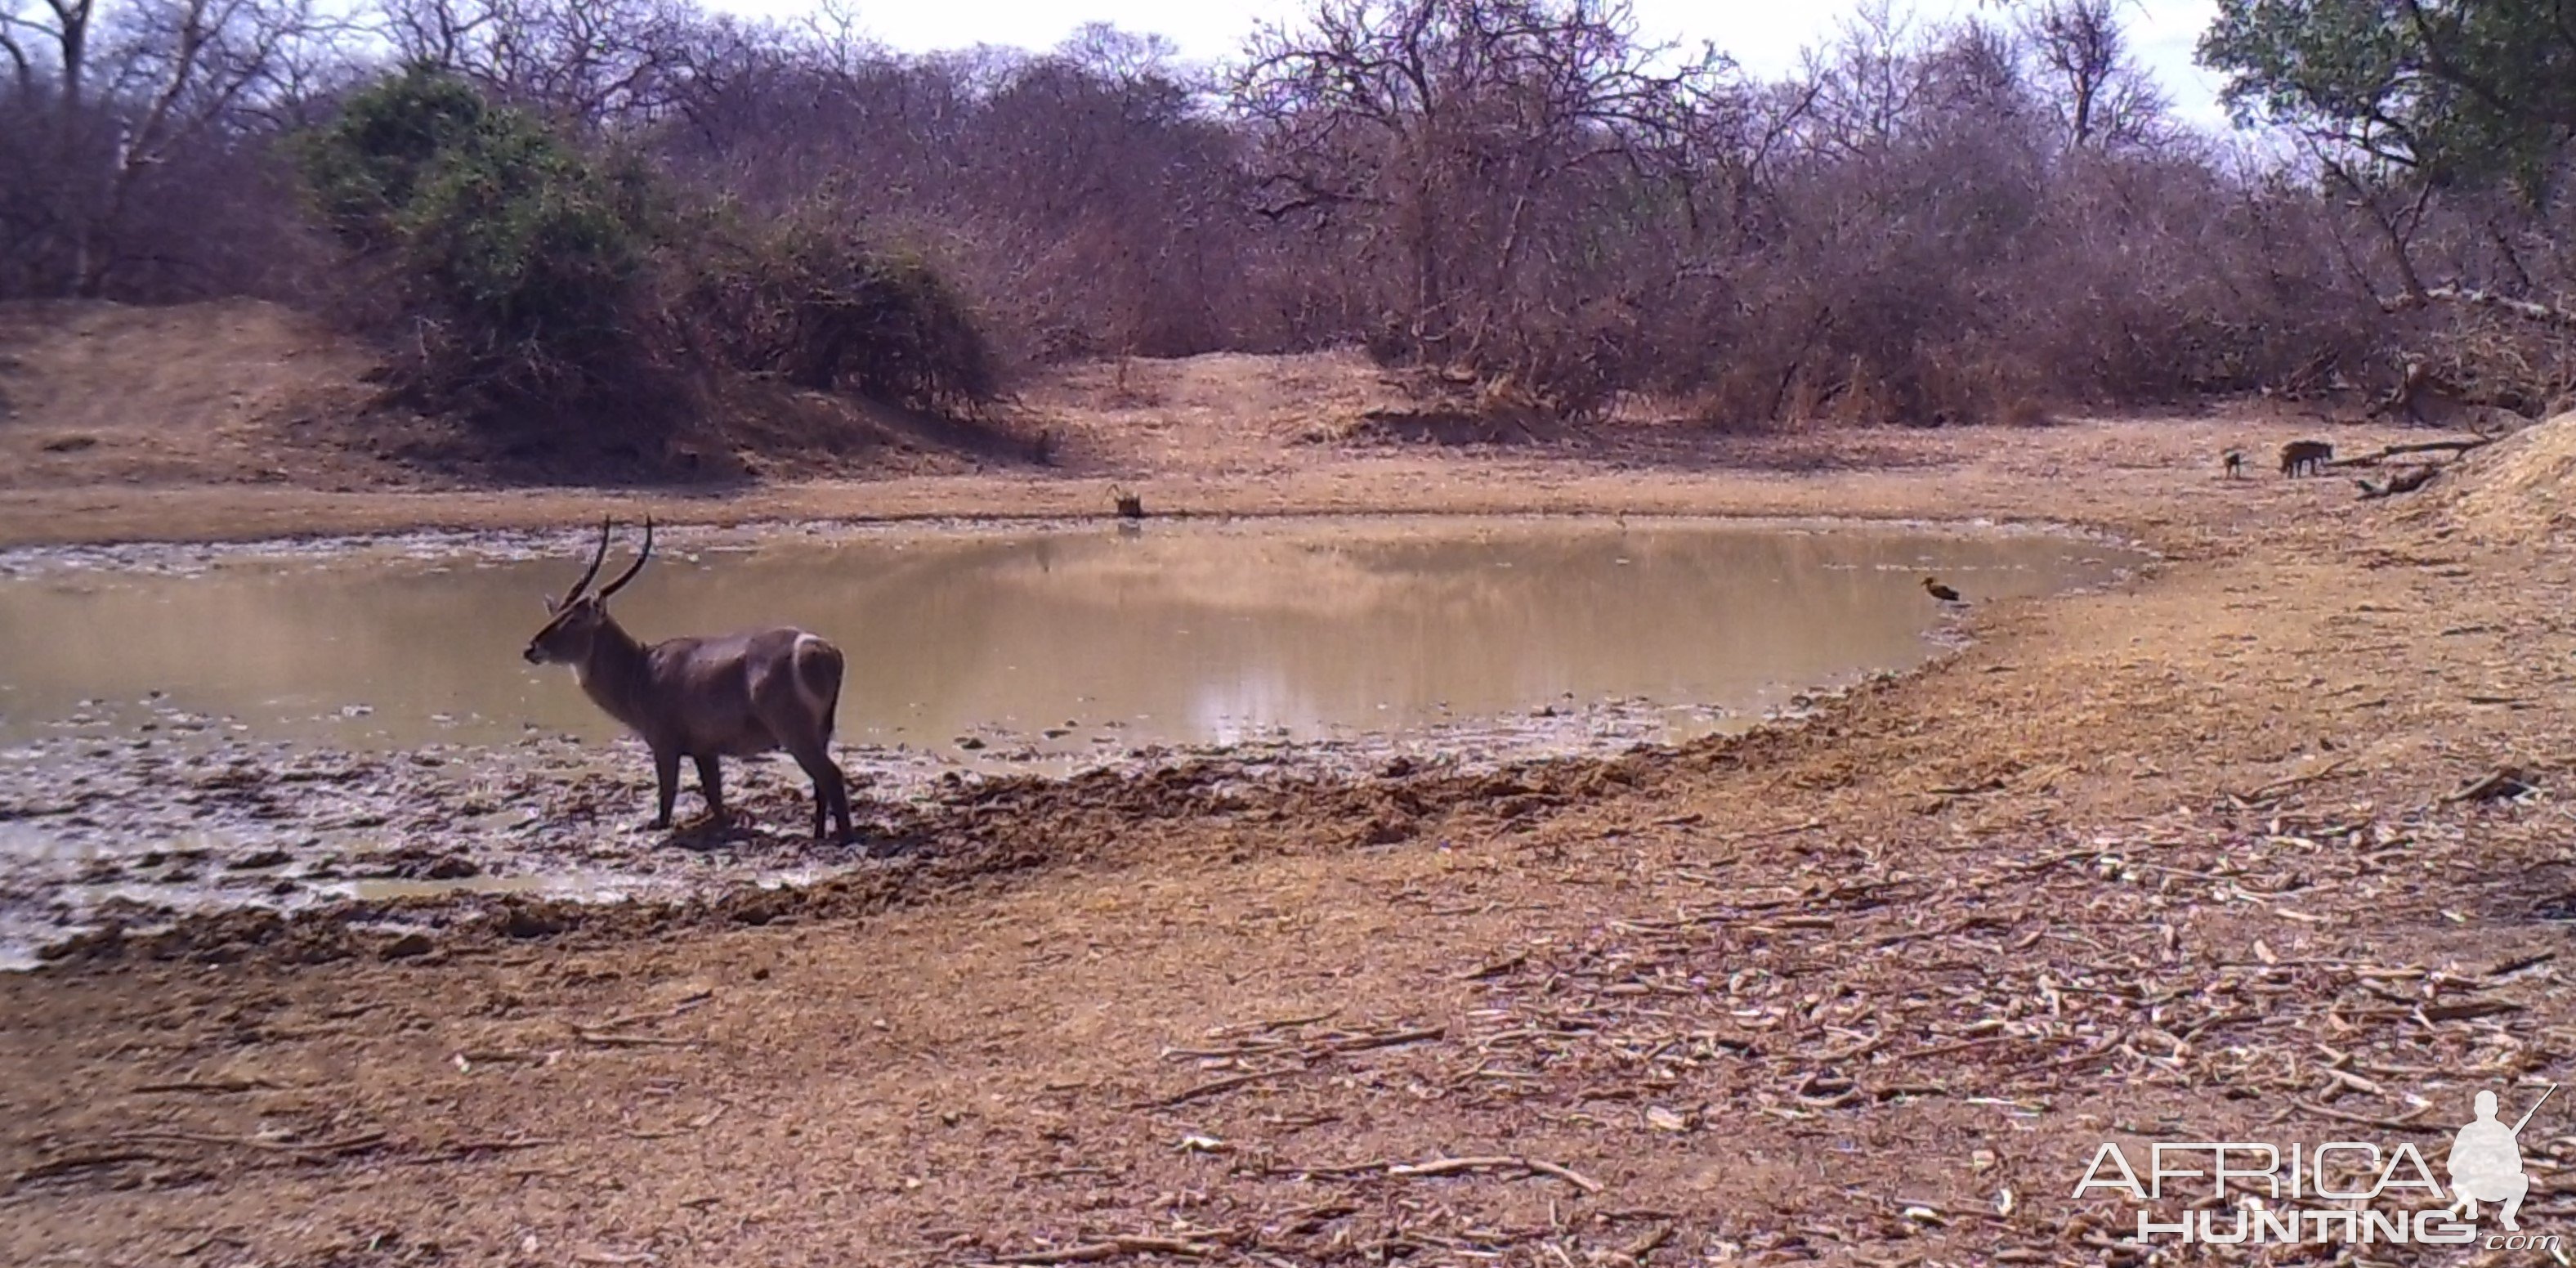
522,269
516,254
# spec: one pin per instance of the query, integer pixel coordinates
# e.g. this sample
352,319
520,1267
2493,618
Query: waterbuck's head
576,619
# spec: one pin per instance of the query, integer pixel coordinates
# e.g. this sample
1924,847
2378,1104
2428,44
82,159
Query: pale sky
1764,35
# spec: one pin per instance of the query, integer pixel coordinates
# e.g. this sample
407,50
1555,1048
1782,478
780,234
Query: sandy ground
2221,854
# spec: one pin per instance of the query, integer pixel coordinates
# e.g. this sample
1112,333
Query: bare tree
48,46
2104,97
159,86
1446,136
592,62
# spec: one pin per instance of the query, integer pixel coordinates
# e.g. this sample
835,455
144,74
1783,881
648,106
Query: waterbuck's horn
633,568
595,557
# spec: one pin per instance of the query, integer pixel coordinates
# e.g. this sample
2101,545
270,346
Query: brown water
1180,632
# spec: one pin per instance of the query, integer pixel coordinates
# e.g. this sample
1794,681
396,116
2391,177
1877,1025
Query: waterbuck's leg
840,808
711,782
840,784
666,773
831,790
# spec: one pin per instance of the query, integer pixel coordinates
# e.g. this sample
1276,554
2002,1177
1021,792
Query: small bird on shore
1941,592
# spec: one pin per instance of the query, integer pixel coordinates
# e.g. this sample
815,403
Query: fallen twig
1451,1166
1211,1088
348,1144
2464,1010
468,1148
66,1165
1291,1023
1093,1252
1363,1043
2279,786
2496,785
212,1086
607,1040
2406,1124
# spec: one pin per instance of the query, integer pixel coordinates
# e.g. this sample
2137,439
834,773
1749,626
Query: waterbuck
757,691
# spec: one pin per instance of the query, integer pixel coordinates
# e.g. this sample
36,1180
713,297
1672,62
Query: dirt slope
234,392
2522,488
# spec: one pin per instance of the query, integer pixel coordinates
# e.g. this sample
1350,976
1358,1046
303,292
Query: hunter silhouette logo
2486,1162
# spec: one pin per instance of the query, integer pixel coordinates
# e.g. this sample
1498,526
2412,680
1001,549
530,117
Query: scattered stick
469,1148
2279,786
1210,1088
2406,481
2406,1124
1961,925
1304,1057
1365,1042
466,1061
1292,1023
1452,1166
607,1040
1858,1050
68,1164
349,1144
695,1124
624,1020
2518,964
2454,447
2467,1009
213,1087
1963,1045
1113,1248
2495,785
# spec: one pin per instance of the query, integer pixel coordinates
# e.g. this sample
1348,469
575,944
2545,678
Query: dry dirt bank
2183,858
243,420
2154,477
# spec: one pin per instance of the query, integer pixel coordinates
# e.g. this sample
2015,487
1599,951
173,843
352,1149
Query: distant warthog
2305,457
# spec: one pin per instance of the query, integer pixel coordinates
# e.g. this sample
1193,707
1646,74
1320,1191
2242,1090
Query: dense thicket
1971,221
514,257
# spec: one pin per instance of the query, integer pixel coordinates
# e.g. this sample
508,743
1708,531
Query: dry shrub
815,304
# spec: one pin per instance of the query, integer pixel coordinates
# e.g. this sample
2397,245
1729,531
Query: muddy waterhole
142,688
1176,633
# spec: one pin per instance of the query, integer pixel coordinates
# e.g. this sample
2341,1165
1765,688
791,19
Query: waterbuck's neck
614,674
